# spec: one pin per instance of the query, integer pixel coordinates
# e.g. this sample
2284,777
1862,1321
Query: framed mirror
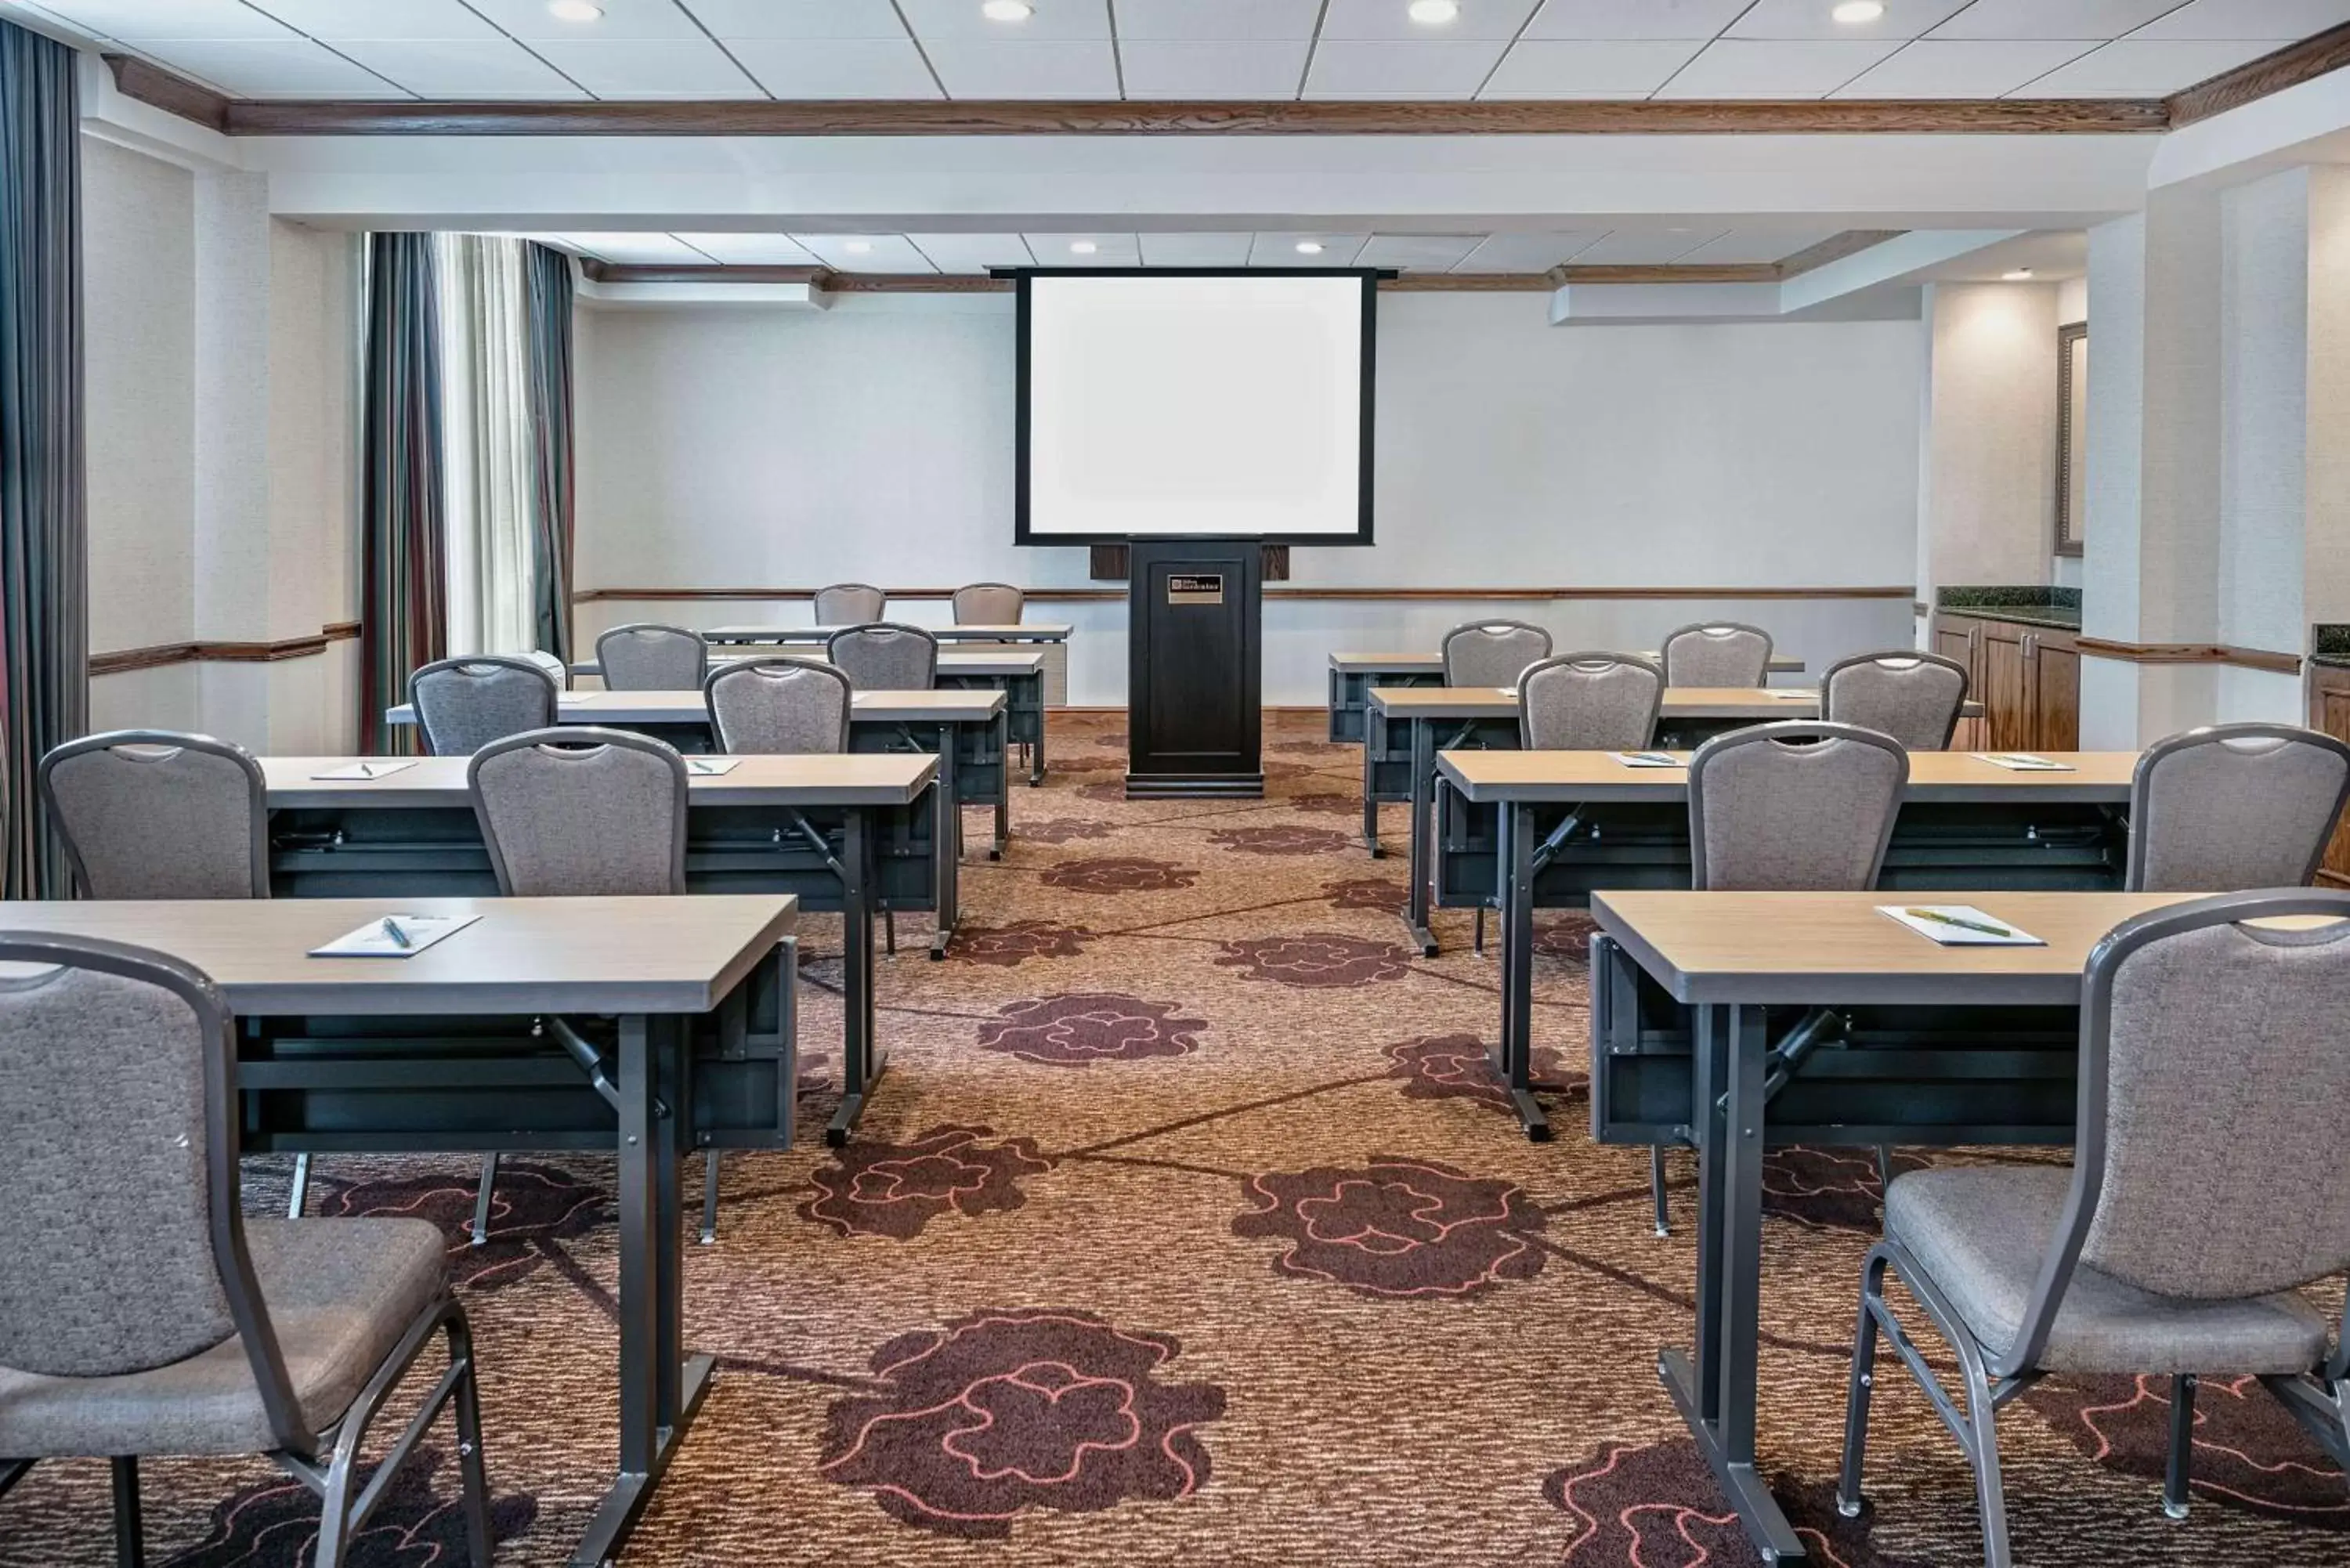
2072,433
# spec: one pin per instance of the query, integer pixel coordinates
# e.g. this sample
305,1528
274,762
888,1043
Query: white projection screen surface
1156,404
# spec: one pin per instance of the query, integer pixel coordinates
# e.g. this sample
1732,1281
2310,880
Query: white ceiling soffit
1879,283
1141,49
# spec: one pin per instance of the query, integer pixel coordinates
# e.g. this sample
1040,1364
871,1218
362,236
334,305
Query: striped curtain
546,319
488,465
44,559
406,536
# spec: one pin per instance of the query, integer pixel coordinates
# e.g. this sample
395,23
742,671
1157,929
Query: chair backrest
769,707
2210,1162
849,604
648,657
152,814
581,812
463,704
1718,653
1589,702
1491,652
2234,806
985,604
123,1057
1913,697
556,671
885,656
1793,807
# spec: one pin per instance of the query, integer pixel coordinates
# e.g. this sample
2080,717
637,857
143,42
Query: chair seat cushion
341,1294
1981,1234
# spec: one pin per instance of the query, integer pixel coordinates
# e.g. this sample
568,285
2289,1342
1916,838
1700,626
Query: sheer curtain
490,457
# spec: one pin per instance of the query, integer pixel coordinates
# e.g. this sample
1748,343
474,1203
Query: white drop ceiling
641,49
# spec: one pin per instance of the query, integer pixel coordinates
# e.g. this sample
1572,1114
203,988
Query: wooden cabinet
2027,678
2329,710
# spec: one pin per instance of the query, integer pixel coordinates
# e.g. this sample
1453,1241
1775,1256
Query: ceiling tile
750,250
960,19
732,19
650,67
1646,247
2052,18
1774,68
2148,69
1494,20
973,252
1754,246
1964,68
1816,20
837,67
158,21
1634,18
1224,20
1350,70
2283,20
1587,68
1281,249
497,68
880,253
1109,250
635,248
1418,252
1188,68
530,20
1527,253
278,69
1064,68
338,21
1196,250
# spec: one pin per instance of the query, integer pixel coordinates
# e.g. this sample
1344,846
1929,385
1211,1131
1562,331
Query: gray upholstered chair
885,656
648,657
1589,702
463,704
1491,652
556,671
144,1315
849,604
768,707
988,604
1911,695
154,814
1790,807
2210,1182
2234,805
1717,654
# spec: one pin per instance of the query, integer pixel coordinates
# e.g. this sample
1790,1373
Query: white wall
758,447
1987,481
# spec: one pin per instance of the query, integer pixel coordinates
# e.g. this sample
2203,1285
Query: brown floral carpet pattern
1188,1228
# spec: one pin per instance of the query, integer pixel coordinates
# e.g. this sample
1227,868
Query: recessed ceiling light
1309,247
857,247
1433,12
1083,247
574,10
1853,13
2021,274
1007,10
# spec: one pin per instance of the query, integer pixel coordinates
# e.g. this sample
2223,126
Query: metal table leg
1374,742
1423,819
1003,783
1034,685
946,851
1716,1392
861,1056
1513,1055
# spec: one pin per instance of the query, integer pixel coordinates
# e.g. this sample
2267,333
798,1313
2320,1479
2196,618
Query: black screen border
1369,278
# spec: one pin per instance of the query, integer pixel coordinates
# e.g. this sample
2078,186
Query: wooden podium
1194,663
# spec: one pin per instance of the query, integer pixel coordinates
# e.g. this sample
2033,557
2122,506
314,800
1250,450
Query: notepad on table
1789,694
2023,762
1509,691
395,936
373,770
1960,925
1648,760
710,767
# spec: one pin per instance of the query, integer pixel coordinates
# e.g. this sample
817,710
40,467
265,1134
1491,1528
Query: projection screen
1161,403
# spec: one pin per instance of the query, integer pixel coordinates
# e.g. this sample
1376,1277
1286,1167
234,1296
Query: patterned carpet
1186,1229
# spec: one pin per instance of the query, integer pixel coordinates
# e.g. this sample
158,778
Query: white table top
1004,661
1353,663
854,778
1568,778
624,708
1019,632
1755,702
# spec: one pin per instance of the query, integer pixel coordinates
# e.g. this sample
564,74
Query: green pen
1941,919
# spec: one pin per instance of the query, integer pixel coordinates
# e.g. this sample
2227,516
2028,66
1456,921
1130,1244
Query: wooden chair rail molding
2188,653
158,655
1094,596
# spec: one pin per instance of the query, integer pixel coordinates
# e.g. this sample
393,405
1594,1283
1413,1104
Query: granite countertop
2030,605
